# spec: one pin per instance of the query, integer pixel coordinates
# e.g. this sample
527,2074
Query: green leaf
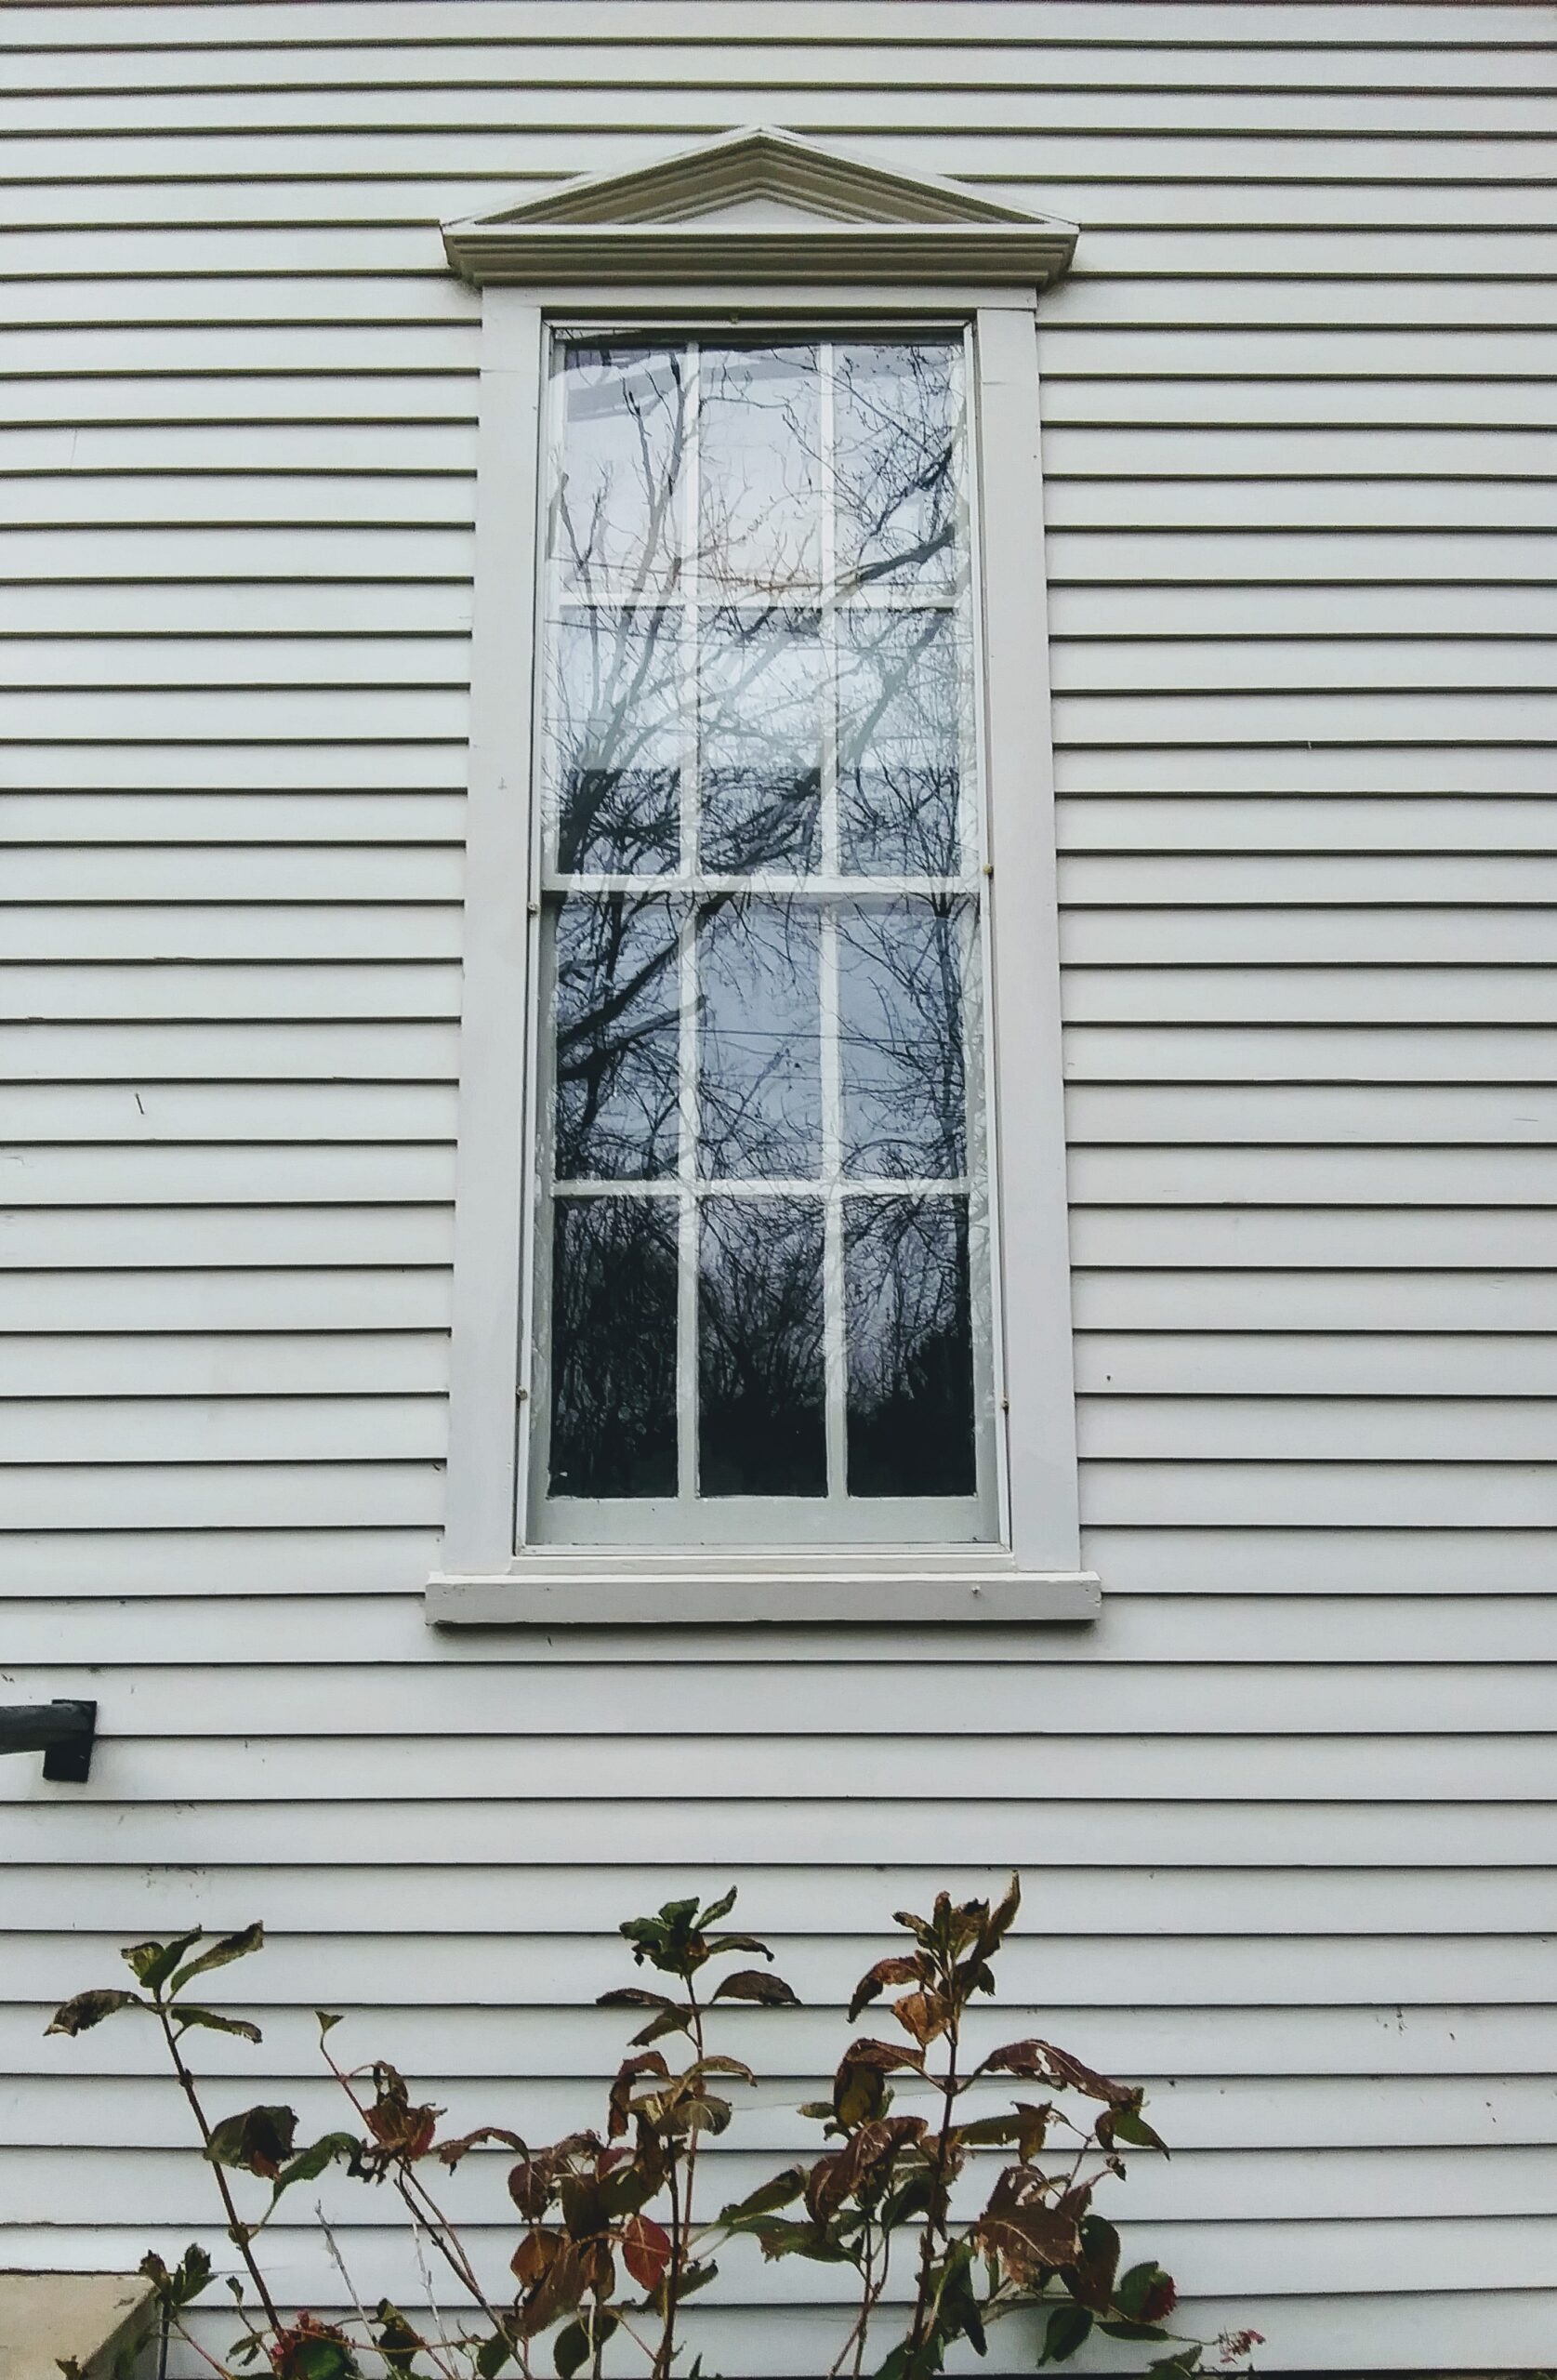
716,1910
1130,2126
89,2008
491,2356
577,2341
1133,2331
1069,2328
310,2162
221,1954
211,2022
1182,2366
257,2141
185,2282
1138,2286
395,2339
325,2021
152,1962
768,2198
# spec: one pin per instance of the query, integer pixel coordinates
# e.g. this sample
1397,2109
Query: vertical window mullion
835,1358
686,961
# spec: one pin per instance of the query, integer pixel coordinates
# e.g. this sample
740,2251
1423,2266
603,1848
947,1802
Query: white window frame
713,240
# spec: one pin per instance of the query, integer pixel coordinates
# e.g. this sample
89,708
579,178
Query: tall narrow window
762,1308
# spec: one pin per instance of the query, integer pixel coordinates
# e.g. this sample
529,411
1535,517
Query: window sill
578,1586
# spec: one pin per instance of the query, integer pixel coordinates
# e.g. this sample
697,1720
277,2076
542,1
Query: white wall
1286,1813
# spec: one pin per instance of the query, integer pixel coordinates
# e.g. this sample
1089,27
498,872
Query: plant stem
237,2231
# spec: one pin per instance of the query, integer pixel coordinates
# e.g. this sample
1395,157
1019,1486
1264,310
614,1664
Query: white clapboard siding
1288,1810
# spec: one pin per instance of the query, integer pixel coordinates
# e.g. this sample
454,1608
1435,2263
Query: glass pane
614,1347
761,1419
760,1051
901,1034
910,1409
760,733
759,482
617,520
900,778
617,1049
616,739
896,425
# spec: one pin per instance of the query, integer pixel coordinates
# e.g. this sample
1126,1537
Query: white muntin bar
689,1218
834,1357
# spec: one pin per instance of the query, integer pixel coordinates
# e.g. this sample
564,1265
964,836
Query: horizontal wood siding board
1292,1797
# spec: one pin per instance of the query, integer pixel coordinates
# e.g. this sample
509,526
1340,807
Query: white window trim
852,258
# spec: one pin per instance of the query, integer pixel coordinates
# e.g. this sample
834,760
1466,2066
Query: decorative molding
762,206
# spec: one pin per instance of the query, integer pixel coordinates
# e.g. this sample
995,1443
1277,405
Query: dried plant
611,2245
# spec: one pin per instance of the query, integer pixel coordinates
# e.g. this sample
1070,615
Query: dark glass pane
616,741
899,776
616,523
760,477
910,1399
760,741
896,421
614,1347
761,1426
617,1038
901,1033
759,1056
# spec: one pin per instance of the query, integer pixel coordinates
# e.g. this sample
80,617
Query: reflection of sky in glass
899,743
759,733
618,733
900,1006
616,1025
759,487
761,1415
616,523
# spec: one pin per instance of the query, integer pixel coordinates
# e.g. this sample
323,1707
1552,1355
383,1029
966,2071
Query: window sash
836,1518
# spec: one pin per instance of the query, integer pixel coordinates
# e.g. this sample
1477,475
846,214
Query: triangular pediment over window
761,205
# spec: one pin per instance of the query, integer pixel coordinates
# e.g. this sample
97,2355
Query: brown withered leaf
750,1983
451,2151
560,2284
645,2250
923,2015
89,2008
1042,2062
400,2129
860,2087
1028,2240
886,1971
863,2167
630,2071
997,1925
532,2255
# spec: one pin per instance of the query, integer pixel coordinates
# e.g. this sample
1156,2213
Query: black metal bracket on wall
63,1732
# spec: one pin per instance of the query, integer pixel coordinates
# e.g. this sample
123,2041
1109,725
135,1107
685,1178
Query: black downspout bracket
64,1732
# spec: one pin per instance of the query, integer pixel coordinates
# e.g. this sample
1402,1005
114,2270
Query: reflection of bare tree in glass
759,482
896,431
760,1085
760,722
761,1429
910,1390
898,742
904,1067
617,1038
614,1347
615,520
